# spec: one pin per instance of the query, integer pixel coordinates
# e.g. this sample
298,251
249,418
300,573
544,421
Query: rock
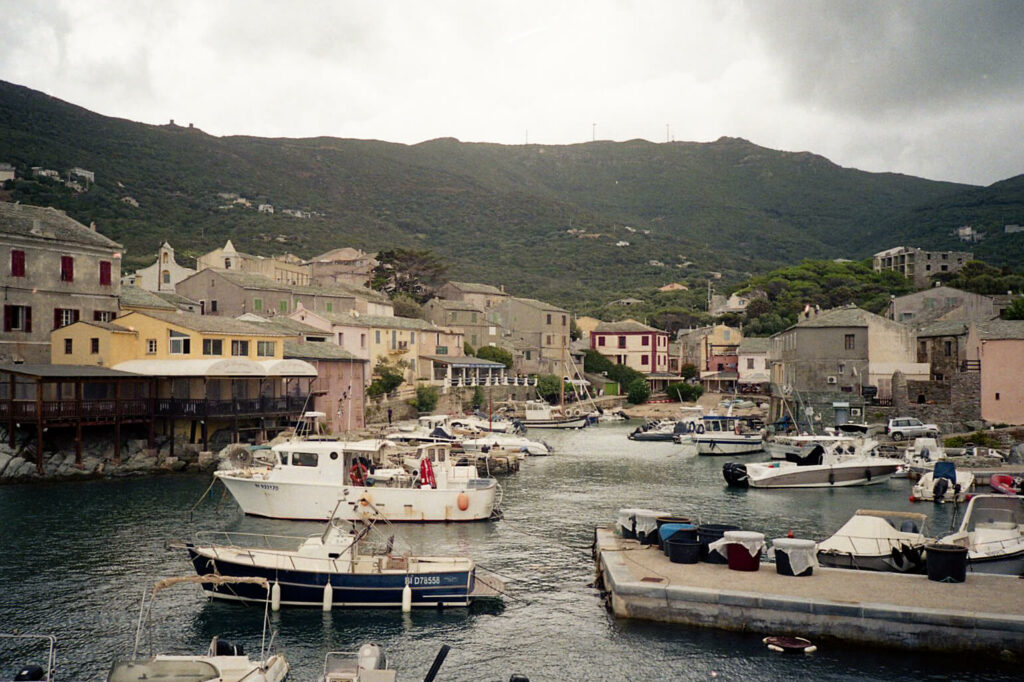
137,445
207,460
5,459
20,468
1016,454
91,465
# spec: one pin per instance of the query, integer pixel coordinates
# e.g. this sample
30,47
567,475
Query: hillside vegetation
544,221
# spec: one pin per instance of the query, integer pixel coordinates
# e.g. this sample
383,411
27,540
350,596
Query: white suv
908,427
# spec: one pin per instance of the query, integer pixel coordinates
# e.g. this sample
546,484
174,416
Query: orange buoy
463,501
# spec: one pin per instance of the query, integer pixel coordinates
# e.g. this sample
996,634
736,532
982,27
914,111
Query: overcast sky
933,89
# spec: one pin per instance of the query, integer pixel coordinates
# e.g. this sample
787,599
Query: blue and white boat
334,569
726,435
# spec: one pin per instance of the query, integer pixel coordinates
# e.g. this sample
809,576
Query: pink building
997,348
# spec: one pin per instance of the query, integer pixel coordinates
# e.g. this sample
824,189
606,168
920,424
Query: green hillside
497,214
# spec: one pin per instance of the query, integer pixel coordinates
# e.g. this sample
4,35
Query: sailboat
542,415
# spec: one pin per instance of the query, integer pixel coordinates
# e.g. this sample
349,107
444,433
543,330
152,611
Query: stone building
472,320
483,296
342,266
230,293
919,265
163,275
941,303
538,331
56,272
286,269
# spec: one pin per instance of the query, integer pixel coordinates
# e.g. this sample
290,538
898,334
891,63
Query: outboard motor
940,488
220,647
735,474
30,672
371,657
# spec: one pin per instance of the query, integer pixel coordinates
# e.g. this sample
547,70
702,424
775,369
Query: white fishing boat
222,662
308,479
992,530
369,664
541,415
877,541
726,435
488,441
818,467
943,484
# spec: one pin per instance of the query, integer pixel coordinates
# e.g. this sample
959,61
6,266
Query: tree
406,306
549,386
1015,311
386,378
639,391
688,371
684,392
467,349
426,398
495,354
414,272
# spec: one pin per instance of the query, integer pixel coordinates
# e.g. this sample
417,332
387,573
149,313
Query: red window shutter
67,269
74,316
28,319
56,318
105,273
17,263
8,317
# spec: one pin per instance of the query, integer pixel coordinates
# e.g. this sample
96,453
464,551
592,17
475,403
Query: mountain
499,214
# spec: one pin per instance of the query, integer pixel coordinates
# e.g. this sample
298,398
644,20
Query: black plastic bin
662,520
946,563
683,551
708,533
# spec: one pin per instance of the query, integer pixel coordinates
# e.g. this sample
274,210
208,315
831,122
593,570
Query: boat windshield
1002,511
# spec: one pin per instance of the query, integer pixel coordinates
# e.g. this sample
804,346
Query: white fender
275,597
406,598
328,596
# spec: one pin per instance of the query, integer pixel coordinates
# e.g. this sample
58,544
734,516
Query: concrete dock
985,613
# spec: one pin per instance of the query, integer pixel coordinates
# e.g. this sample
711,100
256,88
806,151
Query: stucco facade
539,333
476,328
483,296
54,272
944,303
282,269
230,294
164,274
998,348
630,343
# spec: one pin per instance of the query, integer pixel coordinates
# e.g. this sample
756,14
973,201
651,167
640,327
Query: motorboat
818,466
992,530
483,442
943,484
308,478
726,435
486,423
1006,484
369,664
339,567
32,671
223,661
878,541
541,415
780,446
659,430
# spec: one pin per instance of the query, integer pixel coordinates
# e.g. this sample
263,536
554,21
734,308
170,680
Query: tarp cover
752,541
802,554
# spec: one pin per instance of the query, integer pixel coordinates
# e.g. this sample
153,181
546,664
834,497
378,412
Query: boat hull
725,445
317,501
306,588
815,476
571,423
1000,564
865,562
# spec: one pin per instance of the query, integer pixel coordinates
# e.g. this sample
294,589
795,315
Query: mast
561,382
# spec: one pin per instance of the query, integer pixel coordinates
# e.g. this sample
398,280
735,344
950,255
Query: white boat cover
802,554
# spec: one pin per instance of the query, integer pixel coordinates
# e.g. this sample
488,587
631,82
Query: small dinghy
790,645
1007,484
369,664
943,484
875,540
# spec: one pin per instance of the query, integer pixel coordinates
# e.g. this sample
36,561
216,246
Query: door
842,415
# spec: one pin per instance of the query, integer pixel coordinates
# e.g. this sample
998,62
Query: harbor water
77,558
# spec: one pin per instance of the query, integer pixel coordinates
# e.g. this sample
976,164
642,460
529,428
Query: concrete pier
985,613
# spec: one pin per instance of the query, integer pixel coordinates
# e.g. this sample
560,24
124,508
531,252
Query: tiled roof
947,328
49,224
471,288
137,297
755,344
847,316
534,303
1000,329
251,280
381,321
624,326
456,305
210,324
317,351
282,325
174,299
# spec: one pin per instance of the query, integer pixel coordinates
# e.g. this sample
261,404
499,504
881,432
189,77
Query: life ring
700,428
357,474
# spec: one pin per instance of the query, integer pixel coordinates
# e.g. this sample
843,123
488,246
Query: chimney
92,226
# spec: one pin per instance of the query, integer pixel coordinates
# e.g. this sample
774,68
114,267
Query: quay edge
918,614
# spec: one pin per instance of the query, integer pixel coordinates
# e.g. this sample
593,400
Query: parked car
908,427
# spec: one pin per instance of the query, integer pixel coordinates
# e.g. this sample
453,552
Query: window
563,320
94,345
102,315
362,340
947,348
67,269
68,345
527,355
622,342
842,368
376,336
17,318
412,337
105,273
750,363
213,305
726,336
472,340
17,263
548,339
304,459
62,317
600,340
239,348
549,318
644,359
997,396
213,347
330,306
266,349
849,342
645,341
472,317
166,276
282,307
181,344
151,346
257,304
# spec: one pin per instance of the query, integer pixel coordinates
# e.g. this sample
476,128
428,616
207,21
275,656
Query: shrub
684,392
978,438
549,386
426,398
386,378
495,354
639,391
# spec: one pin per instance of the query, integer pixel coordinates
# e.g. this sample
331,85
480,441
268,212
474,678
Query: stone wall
961,411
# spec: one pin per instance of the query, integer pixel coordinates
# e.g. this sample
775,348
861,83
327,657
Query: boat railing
998,545
242,541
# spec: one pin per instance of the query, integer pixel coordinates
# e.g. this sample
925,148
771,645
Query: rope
201,497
